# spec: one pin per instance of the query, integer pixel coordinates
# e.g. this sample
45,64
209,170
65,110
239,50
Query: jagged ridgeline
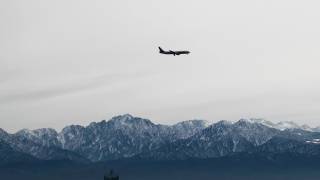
126,136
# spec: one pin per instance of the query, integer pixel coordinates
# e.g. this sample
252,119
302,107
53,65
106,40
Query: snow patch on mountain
282,125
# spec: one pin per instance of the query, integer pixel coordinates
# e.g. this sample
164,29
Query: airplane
161,51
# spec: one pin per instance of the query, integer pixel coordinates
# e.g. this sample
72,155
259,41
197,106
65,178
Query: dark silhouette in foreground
172,52
111,176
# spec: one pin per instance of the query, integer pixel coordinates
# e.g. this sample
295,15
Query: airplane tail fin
160,49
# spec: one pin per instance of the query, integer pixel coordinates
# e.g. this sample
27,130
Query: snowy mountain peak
307,127
3,134
222,123
283,125
37,132
186,129
249,124
193,123
2,131
245,120
286,125
72,127
316,129
128,120
124,117
263,121
242,122
257,120
45,131
93,124
25,132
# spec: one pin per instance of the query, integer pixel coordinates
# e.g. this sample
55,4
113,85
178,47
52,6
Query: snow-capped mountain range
126,136
283,125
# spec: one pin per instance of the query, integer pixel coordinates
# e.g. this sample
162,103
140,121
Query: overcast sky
68,62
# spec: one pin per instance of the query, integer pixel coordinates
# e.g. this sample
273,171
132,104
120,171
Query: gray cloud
70,88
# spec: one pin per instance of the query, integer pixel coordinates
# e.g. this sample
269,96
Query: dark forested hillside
238,166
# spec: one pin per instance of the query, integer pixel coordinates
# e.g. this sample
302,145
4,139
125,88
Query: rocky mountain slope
126,136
